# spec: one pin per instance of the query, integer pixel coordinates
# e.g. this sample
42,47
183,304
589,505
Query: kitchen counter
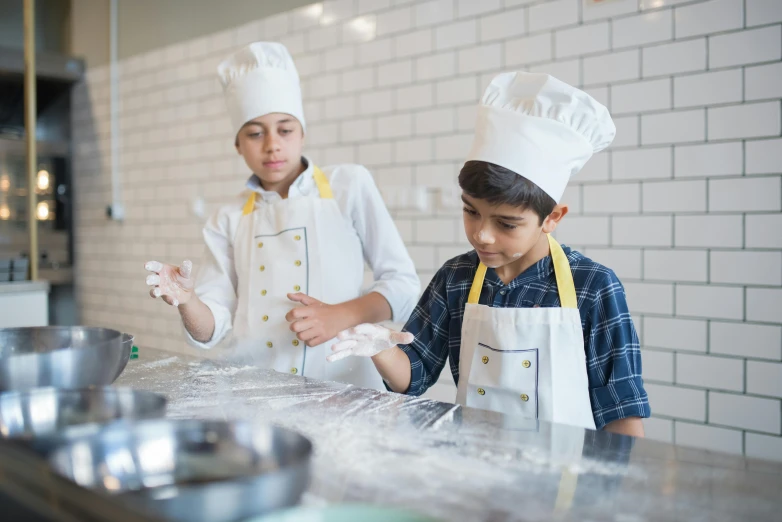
24,303
458,463
24,287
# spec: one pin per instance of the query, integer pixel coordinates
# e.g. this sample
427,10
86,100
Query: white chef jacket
361,205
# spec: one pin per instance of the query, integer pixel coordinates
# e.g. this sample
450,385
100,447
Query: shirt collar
301,186
540,271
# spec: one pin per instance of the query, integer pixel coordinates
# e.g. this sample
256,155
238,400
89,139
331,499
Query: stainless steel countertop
458,463
23,287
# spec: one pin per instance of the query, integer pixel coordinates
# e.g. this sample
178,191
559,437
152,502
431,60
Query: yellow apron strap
565,286
324,188
323,183
477,285
249,206
567,490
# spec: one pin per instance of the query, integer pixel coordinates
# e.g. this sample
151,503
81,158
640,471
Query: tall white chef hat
260,79
540,128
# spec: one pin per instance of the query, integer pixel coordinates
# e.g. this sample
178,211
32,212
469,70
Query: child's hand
315,322
170,282
367,340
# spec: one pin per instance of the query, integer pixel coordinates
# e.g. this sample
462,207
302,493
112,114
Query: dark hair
500,186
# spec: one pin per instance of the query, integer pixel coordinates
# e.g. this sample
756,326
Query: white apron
528,362
300,245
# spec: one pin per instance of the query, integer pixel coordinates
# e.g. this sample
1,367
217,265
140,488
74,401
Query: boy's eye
285,131
254,134
507,226
470,211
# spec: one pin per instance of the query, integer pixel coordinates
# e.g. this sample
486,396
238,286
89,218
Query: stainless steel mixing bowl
188,469
61,357
45,412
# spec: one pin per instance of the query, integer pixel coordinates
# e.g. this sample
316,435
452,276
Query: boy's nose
484,237
271,144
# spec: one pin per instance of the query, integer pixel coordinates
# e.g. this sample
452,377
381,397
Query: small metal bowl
46,412
188,469
61,356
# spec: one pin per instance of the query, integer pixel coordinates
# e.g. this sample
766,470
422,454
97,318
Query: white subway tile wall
708,437
674,58
645,96
676,334
686,206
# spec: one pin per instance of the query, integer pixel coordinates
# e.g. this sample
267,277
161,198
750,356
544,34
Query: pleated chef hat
540,128
260,79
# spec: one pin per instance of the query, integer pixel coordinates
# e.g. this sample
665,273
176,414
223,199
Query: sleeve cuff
401,296
417,386
619,400
222,319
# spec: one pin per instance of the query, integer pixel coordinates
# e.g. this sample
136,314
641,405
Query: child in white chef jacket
283,265
531,328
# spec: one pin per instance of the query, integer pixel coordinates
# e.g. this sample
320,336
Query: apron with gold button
528,362
303,245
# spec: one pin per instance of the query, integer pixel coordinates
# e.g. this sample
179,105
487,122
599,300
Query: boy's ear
553,219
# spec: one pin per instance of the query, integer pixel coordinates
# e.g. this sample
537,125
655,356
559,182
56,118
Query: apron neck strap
477,285
321,181
324,188
249,205
565,285
562,273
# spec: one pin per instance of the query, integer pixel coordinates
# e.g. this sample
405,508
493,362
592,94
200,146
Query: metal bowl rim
94,432
60,328
158,403
86,390
123,337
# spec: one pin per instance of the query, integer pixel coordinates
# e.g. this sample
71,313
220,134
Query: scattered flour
161,362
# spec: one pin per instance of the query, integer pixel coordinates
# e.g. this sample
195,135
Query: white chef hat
540,128
260,79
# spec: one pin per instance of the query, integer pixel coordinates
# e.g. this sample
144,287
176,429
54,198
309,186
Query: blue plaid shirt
613,354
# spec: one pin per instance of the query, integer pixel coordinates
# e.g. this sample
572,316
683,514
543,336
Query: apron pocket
505,381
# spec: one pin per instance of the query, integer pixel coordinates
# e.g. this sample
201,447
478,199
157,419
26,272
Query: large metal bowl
45,412
61,357
187,469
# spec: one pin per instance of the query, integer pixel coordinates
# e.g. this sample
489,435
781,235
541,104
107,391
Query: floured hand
315,322
172,283
367,340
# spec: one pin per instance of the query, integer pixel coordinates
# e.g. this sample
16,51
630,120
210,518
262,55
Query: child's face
502,234
271,146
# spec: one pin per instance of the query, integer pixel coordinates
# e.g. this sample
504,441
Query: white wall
686,206
145,25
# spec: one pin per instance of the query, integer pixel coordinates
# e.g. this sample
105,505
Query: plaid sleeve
429,324
613,356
